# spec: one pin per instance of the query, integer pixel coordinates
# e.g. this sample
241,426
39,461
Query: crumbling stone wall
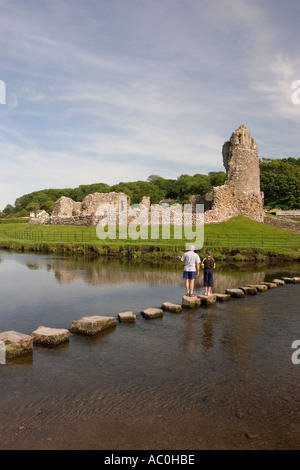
66,207
240,195
291,225
90,211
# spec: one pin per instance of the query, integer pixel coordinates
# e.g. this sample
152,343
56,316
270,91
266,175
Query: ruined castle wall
66,207
240,195
91,203
291,225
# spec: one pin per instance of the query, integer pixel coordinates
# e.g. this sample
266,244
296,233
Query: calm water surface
211,378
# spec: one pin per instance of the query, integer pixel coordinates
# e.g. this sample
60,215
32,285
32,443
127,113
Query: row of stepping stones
17,344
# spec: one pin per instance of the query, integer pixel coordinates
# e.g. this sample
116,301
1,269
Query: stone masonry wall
240,195
291,225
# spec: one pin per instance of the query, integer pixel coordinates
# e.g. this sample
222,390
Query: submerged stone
174,308
235,292
152,313
50,336
16,344
207,299
93,325
191,302
249,290
126,317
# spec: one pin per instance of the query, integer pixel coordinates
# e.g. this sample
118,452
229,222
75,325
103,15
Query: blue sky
117,90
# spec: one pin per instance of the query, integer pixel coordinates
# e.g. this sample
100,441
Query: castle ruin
240,195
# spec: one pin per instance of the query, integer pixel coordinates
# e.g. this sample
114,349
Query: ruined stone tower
240,195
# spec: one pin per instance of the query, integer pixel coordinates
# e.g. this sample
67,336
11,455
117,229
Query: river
218,377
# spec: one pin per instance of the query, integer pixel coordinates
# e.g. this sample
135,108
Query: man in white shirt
191,269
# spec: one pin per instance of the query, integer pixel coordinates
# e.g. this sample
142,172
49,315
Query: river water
217,377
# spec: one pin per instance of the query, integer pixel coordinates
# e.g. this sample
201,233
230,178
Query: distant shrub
239,257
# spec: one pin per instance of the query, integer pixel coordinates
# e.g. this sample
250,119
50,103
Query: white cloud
108,91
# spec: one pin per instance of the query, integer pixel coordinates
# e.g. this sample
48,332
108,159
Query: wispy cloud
111,91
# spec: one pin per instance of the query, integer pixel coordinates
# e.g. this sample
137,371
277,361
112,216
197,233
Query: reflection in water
208,333
106,271
200,379
190,336
239,337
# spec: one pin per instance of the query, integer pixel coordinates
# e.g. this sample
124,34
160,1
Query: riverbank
238,239
152,252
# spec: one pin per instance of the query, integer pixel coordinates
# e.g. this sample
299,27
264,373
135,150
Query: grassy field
237,237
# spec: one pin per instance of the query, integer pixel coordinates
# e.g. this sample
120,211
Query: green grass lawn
237,232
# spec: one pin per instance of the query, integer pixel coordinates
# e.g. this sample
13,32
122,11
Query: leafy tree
48,206
280,182
136,190
8,210
187,185
217,178
32,207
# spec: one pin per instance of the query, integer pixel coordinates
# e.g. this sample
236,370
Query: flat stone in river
50,336
279,282
126,317
207,299
223,297
270,285
174,308
93,325
191,302
152,313
235,292
249,290
16,344
259,287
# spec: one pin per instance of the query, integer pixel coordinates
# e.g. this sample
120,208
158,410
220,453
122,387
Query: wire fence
221,240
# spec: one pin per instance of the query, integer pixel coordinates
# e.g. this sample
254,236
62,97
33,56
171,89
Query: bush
239,257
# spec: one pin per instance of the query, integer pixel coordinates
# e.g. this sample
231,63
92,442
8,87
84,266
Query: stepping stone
93,325
259,287
152,313
288,279
207,299
296,280
223,297
126,317
235,292
279,282
16,344
249,290
270,285
174,308
50,336
191,302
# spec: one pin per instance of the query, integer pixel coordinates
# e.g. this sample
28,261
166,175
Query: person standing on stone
191,269
208,264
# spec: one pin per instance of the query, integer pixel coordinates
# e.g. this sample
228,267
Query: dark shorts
189,274
208,278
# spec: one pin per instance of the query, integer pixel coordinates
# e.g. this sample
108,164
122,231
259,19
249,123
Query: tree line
279,178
